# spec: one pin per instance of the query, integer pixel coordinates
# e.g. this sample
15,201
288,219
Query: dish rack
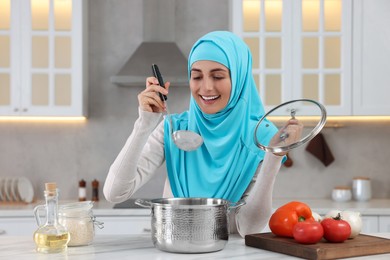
16,190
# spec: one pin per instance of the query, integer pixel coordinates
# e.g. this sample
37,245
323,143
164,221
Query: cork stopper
51,188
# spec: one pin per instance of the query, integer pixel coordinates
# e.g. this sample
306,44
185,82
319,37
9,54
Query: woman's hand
149,99
288,134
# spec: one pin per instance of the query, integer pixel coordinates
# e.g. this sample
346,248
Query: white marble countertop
321,206
137,247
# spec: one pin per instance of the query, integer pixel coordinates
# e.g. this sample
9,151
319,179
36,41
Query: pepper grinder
95,190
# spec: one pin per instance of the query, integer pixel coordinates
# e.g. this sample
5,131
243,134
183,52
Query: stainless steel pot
189,225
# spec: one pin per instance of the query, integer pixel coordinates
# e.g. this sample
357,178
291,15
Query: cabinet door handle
147,230
16,109
25,109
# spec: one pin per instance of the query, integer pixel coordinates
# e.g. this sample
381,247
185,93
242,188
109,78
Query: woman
224,109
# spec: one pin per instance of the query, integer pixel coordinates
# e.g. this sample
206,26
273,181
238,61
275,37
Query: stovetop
128,204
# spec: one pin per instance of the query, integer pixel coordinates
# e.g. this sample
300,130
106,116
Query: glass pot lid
294,109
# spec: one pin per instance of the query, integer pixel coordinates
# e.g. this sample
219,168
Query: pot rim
176,202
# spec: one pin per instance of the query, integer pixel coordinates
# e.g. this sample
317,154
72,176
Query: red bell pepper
283,220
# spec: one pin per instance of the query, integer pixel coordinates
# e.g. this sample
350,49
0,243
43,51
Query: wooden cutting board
359,246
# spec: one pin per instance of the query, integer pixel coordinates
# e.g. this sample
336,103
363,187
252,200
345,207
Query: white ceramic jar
361,188
341,194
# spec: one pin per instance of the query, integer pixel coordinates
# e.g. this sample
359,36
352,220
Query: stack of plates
16,189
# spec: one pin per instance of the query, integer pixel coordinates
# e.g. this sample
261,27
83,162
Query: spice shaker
95,190
82,190
361,188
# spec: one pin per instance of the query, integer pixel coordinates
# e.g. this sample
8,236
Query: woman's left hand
288,134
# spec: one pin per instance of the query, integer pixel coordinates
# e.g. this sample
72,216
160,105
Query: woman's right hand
288,134
149,99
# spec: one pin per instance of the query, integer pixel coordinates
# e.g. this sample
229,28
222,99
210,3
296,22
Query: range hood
158,47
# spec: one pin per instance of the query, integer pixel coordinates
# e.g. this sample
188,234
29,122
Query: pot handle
237,204
143,203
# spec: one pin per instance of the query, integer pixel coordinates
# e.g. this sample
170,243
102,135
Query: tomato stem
338,217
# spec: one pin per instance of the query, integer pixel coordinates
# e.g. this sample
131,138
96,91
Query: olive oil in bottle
47,243
50,237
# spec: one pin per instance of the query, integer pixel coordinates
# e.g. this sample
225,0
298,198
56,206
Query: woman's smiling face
210,85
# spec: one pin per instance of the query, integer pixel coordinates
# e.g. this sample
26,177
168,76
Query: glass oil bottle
50,237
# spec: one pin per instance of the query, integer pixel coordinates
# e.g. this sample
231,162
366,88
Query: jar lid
76,208
361,178
342,188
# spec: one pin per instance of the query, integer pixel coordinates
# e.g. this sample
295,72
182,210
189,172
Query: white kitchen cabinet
15,226
384,223
371,57
332,51
116,224
124,225
370,224
113,225
301,49
43,57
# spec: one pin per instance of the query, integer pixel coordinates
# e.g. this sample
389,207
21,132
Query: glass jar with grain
79,220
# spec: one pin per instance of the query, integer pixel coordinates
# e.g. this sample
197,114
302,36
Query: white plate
14,189
2,197
7,190
11,189
25,190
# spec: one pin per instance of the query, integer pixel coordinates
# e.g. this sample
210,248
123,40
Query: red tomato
336,230
308,232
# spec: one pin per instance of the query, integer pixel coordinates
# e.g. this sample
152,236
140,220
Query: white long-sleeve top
143,153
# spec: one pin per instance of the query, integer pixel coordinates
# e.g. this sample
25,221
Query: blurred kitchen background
68,151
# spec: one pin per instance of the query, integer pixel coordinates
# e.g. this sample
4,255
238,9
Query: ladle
184,139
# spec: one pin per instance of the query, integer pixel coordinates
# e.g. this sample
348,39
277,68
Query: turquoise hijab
225,164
